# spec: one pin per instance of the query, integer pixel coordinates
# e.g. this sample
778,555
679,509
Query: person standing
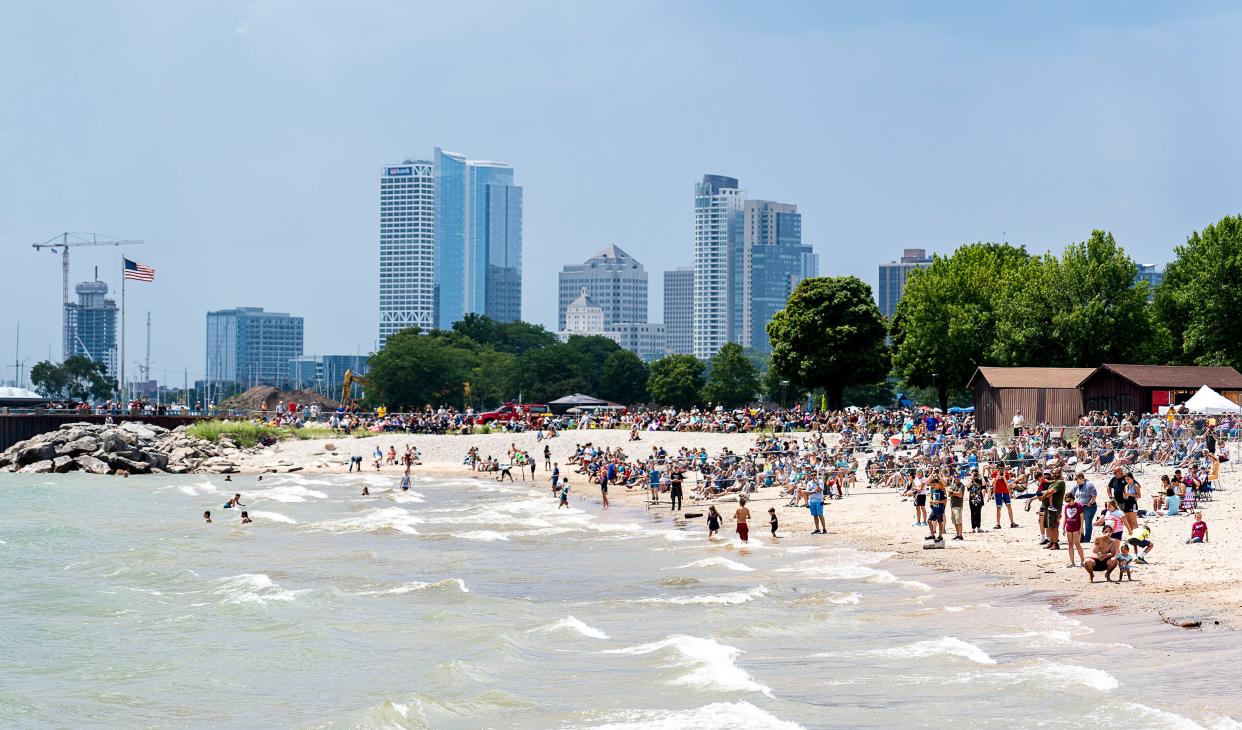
547,457
604,476
1002,496
1086,493
1053,497
742,515
815,500
1073,522
674,488
977,497
957,494
1018,422
935,520
556,477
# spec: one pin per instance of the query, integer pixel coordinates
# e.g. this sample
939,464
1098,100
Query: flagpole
124,400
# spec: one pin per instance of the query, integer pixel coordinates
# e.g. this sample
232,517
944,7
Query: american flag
138,272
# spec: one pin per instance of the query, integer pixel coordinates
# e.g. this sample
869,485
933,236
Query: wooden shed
1144,388
1044,395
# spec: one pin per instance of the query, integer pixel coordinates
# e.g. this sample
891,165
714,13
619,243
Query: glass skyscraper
478,239
252,347
773,261
679,310
718,204
92,325
893,277
407,283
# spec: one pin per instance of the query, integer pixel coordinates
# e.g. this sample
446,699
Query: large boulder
62,464
157,459
92,465
140,430
38,467
183,453
113,441
133,467
36,452
84,445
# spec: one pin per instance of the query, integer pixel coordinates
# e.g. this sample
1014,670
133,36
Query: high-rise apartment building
614,280
718,213
773,261
251,347
478,237
407,278
91,325
645,339
679,310
1153,274
893,276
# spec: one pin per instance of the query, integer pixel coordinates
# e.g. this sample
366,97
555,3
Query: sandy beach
1182,581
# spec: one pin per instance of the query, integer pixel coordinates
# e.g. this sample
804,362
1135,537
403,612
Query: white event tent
1212,403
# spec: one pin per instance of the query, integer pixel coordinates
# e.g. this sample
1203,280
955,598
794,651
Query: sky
243,141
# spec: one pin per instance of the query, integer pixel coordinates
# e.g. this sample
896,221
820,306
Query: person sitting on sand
1198,531
1103,558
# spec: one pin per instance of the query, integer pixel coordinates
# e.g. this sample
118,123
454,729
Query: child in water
564,494
405,481
772,520
246,518
207,516
713,522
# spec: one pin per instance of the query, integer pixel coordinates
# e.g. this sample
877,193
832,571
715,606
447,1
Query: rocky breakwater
129,448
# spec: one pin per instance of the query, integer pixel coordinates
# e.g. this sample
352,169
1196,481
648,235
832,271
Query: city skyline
898,124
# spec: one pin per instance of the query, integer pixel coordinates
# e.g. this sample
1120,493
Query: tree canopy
1199,303
78,378
945,324
732,380
675,380
830,335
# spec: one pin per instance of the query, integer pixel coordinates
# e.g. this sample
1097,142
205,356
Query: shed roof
1174,376
1031,377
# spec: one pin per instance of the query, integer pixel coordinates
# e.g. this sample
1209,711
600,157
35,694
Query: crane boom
65,241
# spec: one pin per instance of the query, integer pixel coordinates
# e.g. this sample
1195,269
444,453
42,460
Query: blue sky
242,140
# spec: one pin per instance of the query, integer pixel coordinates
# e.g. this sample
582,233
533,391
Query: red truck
514,412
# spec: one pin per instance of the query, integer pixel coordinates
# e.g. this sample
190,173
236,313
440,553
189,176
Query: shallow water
468,604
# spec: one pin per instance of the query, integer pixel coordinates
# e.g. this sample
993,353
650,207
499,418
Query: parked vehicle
514,412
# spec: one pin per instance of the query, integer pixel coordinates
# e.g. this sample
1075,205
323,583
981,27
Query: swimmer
366,491
207,516
246,518
228,477
234,502
405,481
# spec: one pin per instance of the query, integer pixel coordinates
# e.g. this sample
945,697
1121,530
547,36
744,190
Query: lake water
466,604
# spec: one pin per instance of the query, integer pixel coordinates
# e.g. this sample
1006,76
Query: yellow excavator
347,388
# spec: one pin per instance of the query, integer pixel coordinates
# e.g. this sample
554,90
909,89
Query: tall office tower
478,239
679,310
1153,274
645,339
251,347
718,208
893,277
91,325
773,261
407,278
613,279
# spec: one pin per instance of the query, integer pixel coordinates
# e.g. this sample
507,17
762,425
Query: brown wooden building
1044,395
1144,388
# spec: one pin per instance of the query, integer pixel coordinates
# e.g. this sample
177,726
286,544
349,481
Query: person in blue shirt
815,500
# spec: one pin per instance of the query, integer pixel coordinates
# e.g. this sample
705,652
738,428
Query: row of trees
985,304
485,362
78,378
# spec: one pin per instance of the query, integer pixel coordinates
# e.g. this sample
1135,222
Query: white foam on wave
1054,638
1164,719
848,571
410,497
376,520
484,535
1043,671
716,716
375,480
197,488
298,480
715,562
253,588
569,623
287,494
733,598
713,663
273,517
412,586
944,646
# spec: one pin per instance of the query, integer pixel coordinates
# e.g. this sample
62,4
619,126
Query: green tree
595,351
413,370
732,379
511,337
548,373
781,390
1079,310
1199,303
945,324
675,380
623,378
78,378
830,335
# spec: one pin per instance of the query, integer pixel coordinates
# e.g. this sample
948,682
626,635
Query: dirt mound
259,396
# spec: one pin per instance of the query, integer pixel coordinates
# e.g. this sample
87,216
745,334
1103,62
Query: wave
447,583
485,535
846,571
733,598
1176,721
393,519
290,493
1043,671
273,517
740,714
713,562
713,663
572,624
253,588
944,646
410,497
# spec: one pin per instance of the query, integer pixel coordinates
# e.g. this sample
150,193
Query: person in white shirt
1018,422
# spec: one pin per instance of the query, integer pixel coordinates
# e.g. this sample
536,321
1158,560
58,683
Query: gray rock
38,467
182,453
157,459
35,453
129,465
78,424
112,441
92,465
85,445
62,464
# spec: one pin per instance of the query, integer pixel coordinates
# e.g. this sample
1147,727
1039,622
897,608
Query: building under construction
91,325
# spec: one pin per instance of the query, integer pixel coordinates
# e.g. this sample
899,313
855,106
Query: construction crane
65,241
